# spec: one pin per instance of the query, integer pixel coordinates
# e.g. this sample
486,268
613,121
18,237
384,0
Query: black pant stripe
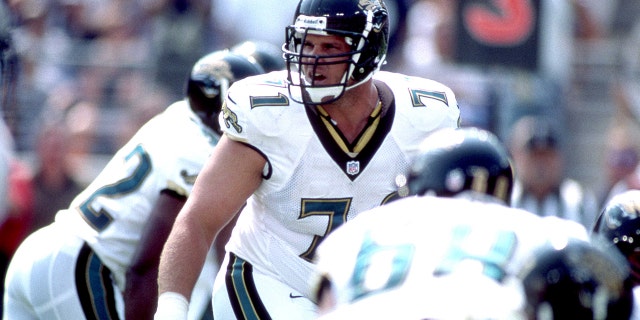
241,288
94,286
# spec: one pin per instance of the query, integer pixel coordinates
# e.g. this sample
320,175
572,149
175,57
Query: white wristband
172,306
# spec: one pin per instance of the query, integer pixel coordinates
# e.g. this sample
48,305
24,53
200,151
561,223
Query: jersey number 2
99,218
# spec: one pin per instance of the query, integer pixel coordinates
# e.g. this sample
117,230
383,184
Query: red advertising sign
498,32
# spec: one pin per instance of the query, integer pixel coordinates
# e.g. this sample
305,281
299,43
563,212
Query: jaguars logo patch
230,118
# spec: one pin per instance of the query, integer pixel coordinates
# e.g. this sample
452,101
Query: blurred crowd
104,66
91,72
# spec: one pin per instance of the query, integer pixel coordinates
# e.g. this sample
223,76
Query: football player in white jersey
306,149
451,250
77,267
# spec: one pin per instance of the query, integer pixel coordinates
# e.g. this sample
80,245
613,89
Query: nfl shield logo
353,167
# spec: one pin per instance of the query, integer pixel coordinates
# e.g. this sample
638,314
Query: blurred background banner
498,32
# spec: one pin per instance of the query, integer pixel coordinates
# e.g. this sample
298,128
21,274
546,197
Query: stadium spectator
542,186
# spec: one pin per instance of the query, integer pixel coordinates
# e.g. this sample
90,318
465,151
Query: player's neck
351,112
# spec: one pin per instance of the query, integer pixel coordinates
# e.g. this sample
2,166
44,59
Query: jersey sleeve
180,148
423,106
432,96
259,112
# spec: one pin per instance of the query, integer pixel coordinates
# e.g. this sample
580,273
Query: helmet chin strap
320,95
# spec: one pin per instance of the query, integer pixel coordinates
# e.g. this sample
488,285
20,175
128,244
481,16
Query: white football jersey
442,258
166,153
635,314
314,181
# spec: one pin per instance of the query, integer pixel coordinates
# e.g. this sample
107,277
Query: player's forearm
182,257
180,264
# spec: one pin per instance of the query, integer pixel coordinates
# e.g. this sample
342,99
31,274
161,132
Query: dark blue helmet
363,24
210,79
452,161
580,280
619,224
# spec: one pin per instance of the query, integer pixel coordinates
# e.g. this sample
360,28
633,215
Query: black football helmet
269,56
210,79
619,224
365,27
452,161
580,280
